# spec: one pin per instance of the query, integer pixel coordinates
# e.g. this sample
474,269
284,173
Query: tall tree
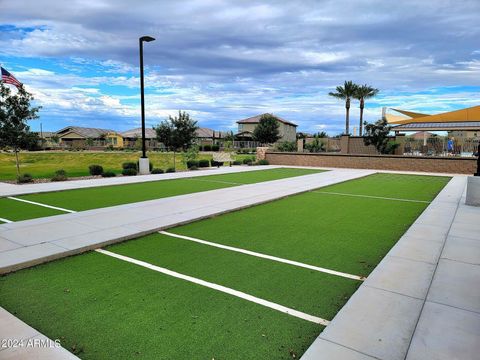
177,132
267,132
15,111
345,92
364,92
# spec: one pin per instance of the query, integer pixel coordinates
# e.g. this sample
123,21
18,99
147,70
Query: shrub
24,179
157,171
170,170
247,161
150,166
215,147
263,162
108,174
129,172
60,175
207,147
129,165
193,167
237,162
287,146
216,163
203,163
192,163
95,170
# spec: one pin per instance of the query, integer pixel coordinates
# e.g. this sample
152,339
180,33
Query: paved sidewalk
423,300
26,342
14,189
31,242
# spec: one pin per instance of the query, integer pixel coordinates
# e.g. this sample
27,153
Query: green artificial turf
75,163
309,291
104,308
15,210
400,186
349,234
105,196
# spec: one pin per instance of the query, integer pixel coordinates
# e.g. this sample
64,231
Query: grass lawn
97,197
103,308
44,164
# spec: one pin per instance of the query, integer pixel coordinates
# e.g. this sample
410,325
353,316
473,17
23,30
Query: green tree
364,92
15,111
267,132
345,92
177,133
377,135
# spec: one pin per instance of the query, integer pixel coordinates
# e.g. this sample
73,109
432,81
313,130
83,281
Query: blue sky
226,60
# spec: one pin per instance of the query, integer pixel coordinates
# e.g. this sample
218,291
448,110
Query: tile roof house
288,129
79,137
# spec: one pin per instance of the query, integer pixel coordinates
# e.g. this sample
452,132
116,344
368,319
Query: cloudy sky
226,60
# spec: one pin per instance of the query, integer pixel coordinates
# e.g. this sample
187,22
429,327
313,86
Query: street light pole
144,165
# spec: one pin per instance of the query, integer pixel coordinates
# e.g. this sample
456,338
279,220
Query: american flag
8,78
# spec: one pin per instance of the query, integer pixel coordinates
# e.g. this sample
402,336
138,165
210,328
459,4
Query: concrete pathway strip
215,181
40,204
221,288
371,197
5,220
15,189
265,256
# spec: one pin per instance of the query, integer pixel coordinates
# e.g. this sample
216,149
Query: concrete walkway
14,189
26,342
423,300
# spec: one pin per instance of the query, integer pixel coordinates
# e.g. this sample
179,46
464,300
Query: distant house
132,137
420,135
206,136
82,137
287,129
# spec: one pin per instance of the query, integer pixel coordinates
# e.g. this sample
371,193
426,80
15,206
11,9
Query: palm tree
364,92
345,92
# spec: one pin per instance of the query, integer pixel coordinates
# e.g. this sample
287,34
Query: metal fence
441,146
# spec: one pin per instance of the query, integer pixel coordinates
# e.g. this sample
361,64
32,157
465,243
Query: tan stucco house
287,129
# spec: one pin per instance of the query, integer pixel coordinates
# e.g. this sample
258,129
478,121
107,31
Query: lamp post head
147,38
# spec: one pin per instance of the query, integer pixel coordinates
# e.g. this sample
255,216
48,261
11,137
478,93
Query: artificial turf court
105,196
105,307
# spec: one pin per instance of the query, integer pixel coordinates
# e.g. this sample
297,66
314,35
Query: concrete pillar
300,145
473,191
144,166
344,144
261,151
400,140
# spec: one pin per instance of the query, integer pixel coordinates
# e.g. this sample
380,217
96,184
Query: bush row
209,148
131,169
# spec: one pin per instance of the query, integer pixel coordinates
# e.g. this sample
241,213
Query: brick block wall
376,162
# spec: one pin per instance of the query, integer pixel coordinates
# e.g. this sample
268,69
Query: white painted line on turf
371,197
40,204
216,181
265,256
5,220
221,288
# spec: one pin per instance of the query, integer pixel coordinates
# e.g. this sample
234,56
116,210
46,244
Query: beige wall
377,162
